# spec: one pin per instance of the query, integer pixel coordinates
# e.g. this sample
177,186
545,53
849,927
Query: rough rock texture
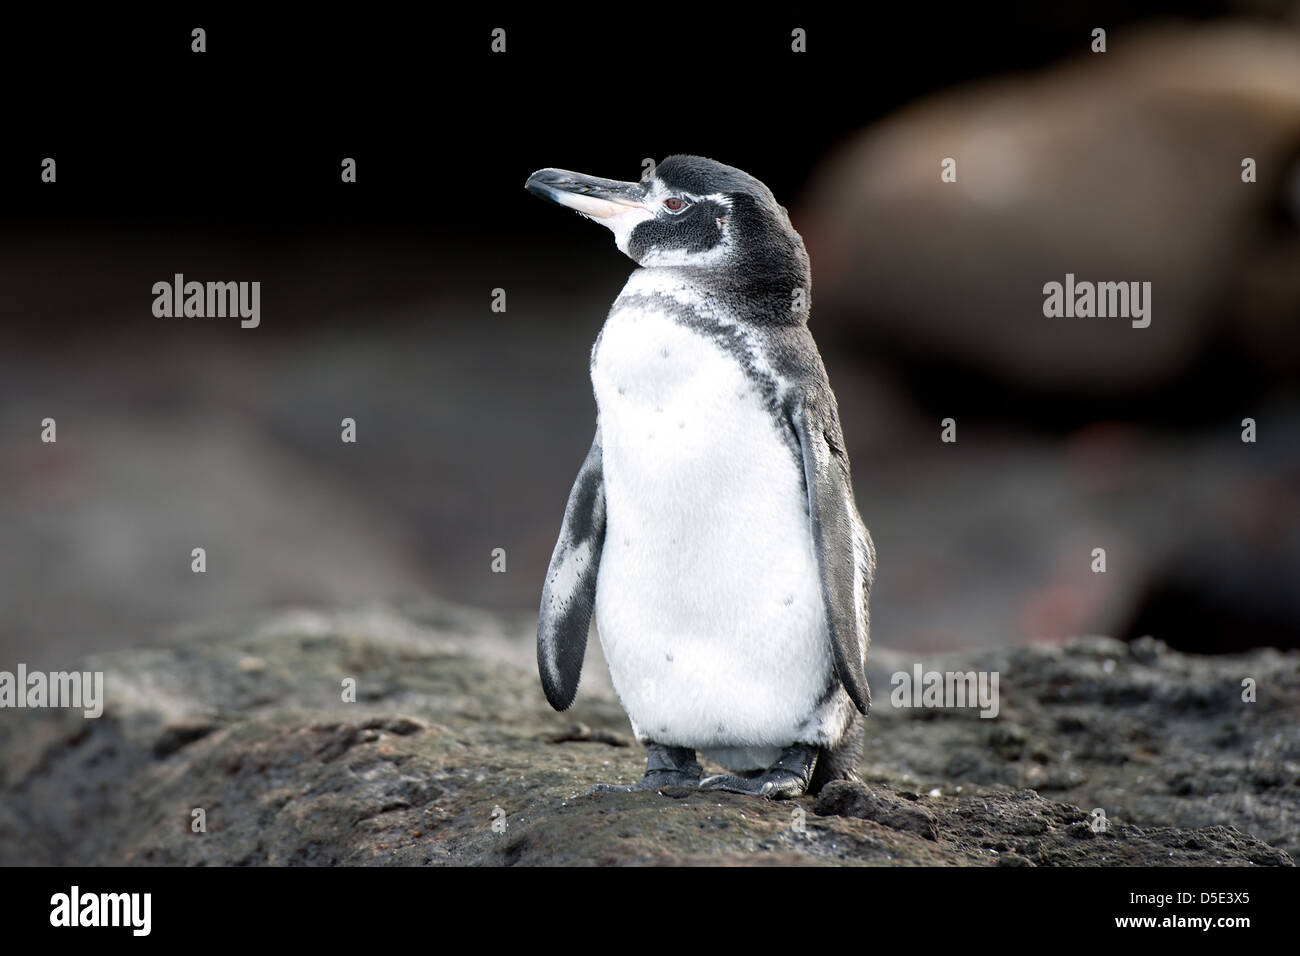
450,733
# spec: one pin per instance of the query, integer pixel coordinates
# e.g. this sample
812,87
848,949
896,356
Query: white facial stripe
621,218
715,255
658,193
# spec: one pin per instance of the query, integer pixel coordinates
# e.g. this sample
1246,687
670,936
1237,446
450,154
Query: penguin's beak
616,205
589,195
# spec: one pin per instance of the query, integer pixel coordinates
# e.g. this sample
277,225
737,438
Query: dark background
233,139
177,433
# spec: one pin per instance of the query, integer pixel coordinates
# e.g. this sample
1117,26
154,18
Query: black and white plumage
712,530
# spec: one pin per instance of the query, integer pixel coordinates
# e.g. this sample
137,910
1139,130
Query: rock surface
450,734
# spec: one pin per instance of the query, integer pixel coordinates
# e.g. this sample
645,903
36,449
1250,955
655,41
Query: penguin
712,530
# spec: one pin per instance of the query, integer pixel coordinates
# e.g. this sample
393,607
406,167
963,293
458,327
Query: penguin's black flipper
569,594
845,555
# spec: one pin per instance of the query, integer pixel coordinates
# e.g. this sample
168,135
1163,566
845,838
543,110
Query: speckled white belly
708,600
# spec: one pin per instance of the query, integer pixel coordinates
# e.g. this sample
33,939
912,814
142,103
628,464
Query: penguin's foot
651,781
664,767
788,777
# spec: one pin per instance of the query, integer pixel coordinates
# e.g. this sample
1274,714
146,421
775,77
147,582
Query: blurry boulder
1124,166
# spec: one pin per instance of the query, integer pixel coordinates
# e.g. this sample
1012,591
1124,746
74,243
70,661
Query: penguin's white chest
708,599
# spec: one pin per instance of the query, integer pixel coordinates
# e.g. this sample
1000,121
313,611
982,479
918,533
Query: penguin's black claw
788,777
773,784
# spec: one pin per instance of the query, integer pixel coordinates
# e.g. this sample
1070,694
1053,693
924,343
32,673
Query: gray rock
451,756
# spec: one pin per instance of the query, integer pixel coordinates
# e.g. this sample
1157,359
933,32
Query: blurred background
1073,434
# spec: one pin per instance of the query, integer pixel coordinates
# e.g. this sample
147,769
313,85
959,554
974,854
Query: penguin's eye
674,204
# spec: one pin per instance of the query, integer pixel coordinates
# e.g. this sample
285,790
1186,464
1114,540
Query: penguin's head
688,212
